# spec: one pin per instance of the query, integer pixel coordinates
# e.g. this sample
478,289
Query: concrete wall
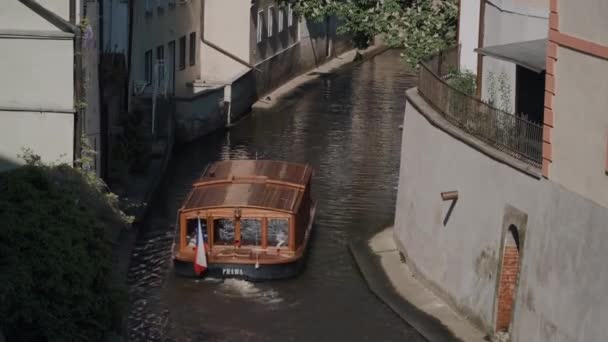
199,115
510,21
584,19
234,38
580,132
468,34
160,27
561,289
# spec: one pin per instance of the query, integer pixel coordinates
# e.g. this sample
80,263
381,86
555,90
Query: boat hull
247,272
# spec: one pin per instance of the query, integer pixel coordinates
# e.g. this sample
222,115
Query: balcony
508,133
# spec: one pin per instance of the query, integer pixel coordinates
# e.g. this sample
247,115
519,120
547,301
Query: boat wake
235,288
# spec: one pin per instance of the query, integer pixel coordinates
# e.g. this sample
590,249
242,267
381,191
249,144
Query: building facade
515,245
577,75
213,59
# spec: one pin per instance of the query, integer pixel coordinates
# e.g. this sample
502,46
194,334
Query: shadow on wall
7,164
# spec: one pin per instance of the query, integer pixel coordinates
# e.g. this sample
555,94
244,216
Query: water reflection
346,126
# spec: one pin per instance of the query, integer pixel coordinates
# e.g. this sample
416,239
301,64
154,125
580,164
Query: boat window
191,226
278,232
251,232
223,231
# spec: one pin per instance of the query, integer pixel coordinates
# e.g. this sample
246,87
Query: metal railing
506,132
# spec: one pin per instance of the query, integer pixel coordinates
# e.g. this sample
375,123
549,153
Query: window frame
182,52
192,47
215,236
261,237
270,21
288,237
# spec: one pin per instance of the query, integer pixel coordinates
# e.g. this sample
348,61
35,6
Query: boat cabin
255,215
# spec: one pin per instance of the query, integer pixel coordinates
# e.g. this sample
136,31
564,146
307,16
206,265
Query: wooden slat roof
266,184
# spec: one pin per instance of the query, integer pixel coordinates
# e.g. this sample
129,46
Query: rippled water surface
347,126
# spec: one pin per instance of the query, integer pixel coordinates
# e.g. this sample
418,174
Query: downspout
129,54
481,29
79,92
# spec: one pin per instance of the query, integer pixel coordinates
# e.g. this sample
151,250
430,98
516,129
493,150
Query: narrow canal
347,126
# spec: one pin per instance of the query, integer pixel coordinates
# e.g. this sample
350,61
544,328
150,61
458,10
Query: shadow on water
347,127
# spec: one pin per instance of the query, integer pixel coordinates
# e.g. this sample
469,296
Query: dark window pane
278,232
192,48
148,66
251,232
223,232
182,53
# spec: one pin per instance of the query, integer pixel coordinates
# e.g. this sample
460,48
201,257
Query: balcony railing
506,132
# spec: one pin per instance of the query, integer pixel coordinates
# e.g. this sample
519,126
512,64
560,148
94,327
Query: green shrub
465,81
55,257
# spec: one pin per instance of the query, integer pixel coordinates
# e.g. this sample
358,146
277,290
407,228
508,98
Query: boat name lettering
232,271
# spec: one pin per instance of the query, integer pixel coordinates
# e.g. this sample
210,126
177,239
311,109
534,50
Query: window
182,53
223,232
251,232
160,58
278,232
148,66
281,14
260,25
270,20
289,15
191,231
192,48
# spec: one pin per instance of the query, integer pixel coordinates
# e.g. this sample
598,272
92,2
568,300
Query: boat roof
267,184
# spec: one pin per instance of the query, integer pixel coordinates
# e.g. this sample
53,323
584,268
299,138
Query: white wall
468,33
232,37
49,135
580,133
563,277
28,80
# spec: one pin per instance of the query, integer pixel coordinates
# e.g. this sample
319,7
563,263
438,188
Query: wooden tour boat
255,216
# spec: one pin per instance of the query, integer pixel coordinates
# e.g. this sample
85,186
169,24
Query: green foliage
421,27
133,146
463,80
55,257
499,91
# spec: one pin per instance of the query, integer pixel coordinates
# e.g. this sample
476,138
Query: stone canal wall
554,238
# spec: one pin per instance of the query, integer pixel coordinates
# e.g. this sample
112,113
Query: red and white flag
200,259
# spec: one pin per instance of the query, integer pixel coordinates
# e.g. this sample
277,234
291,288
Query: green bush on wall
55,257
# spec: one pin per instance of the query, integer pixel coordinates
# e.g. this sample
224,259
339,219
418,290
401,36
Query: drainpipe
79,91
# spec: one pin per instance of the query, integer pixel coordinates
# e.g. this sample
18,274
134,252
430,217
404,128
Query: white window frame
270,20
280,20
260,25
289,16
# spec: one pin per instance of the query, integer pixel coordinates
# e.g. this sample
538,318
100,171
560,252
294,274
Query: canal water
347,126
